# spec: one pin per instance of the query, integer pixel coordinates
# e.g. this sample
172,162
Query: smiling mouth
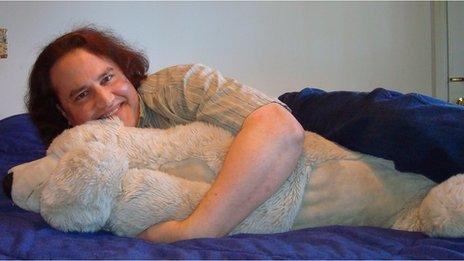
29,202
111,113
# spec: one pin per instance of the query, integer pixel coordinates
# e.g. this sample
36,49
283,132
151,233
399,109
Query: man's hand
165,232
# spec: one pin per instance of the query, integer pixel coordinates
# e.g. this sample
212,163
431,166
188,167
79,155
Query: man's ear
79,195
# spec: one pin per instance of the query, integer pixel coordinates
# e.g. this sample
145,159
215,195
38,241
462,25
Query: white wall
272,46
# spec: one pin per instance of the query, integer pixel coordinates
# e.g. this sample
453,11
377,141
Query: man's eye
106,79
81,95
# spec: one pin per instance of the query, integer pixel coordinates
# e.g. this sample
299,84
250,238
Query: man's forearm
260,159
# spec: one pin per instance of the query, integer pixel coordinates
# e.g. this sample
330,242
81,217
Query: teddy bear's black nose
7,183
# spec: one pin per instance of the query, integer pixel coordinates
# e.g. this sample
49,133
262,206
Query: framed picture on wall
3,43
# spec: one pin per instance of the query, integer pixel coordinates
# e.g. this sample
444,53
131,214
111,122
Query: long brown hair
41,100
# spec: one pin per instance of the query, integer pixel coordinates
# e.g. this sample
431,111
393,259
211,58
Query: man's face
90,87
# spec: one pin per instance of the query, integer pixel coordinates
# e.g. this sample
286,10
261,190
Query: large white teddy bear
102,175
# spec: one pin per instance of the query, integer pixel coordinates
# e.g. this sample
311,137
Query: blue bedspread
418,133
24,235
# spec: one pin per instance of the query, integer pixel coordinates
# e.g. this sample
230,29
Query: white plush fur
102,175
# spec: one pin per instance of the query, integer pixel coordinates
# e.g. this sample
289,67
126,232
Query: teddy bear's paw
442,210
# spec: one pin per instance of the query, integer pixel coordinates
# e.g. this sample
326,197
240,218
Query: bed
419,133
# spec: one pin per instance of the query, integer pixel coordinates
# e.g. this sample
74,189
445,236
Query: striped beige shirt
185,93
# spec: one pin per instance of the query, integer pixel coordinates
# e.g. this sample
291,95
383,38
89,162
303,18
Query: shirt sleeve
186,93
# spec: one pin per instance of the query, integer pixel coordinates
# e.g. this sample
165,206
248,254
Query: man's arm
260,159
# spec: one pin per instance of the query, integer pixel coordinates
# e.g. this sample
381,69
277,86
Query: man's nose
105,97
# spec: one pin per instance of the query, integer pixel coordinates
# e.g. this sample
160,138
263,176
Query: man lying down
89,74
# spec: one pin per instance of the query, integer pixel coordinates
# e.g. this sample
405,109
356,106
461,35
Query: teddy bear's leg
149,197
441,213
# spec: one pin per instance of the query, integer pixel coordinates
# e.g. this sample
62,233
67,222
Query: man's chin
127,121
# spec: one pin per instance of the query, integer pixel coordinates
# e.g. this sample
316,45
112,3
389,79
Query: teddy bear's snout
7,184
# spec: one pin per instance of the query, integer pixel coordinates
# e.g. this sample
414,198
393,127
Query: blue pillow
418,133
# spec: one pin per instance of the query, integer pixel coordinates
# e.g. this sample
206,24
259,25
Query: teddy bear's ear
103,131
79,195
